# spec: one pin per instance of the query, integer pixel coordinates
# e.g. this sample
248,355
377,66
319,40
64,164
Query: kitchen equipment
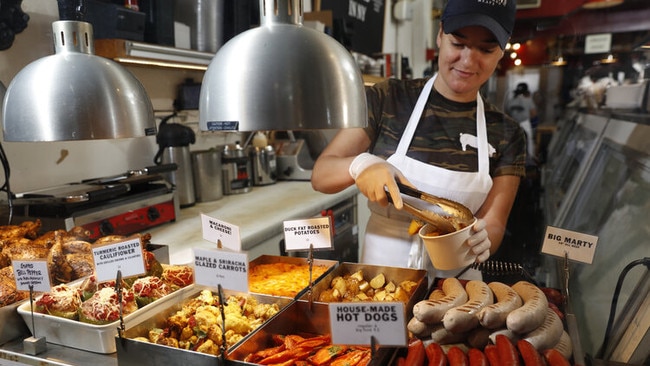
124,204
208,179
205,19
446,215
264,165
294,160
174,147
237,170
115,21
239,92
102,99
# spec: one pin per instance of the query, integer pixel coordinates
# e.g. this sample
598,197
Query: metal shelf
146,54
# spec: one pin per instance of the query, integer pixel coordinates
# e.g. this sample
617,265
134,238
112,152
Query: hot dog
564,345
464,318
432,311
494,316
532,313
548,334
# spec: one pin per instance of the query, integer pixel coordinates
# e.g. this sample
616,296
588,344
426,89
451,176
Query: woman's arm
331,170
497,206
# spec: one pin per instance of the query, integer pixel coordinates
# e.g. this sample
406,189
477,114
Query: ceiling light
75,95
559,61
610,59
600,4
282,76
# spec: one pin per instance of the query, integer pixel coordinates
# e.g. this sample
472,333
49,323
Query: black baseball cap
496,15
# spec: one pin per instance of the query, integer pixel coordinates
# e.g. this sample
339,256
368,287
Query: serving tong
446,215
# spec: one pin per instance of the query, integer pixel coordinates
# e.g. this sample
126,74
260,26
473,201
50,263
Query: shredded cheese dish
282,279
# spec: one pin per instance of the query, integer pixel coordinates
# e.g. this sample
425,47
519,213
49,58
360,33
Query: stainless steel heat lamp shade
282,76
75,95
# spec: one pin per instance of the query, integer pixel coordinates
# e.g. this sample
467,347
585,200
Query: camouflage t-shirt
446,134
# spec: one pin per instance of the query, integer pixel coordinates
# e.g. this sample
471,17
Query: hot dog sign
575,246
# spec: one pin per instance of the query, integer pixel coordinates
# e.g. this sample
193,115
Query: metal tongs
447,215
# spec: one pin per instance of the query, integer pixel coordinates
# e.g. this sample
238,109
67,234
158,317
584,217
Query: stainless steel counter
259,214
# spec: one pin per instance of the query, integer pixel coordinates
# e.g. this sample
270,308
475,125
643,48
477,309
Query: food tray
270,259
142,353
300,317
85,336
394,274
12,325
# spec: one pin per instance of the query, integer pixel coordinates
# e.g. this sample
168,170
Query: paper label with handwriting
301,234
126,256
356,323
32,273
577,246
214,267
221,233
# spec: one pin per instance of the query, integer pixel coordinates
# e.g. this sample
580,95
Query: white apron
386,240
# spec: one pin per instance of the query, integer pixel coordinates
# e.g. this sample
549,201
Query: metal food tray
85,336
270,259
300,317
394,274
12,325
140,353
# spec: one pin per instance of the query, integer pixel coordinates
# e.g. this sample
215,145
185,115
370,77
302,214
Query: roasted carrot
351,358
477,358
508,354
260,355
326,354
315,342
435,355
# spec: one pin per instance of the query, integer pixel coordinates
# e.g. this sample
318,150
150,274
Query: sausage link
464,318
548,334
532,313
494,316
432,311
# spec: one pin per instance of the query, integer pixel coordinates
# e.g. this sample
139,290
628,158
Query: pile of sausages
474,313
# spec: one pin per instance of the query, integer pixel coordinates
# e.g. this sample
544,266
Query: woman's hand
479,241
377,178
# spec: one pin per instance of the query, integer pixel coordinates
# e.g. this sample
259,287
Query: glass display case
612,202
569,156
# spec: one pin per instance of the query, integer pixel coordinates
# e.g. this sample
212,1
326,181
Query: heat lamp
73,94
282,76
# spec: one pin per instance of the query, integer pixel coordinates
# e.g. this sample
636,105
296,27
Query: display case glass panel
570,160
613,203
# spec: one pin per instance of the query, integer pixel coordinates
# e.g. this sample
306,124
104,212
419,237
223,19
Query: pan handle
108,192
162,168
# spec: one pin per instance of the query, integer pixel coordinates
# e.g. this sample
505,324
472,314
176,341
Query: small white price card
32,273
213,267
217,231
301,234
126,256
575,246
355,323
